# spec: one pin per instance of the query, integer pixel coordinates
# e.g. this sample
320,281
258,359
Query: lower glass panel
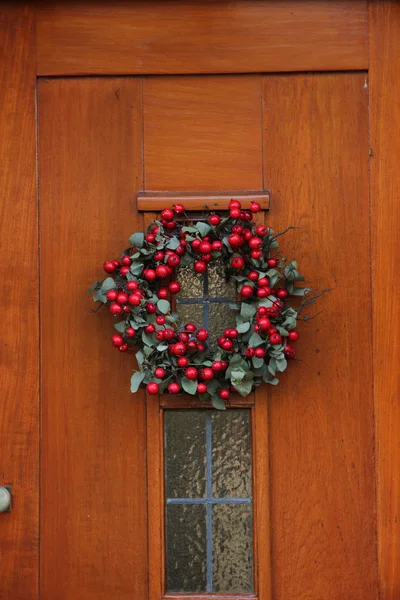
186,548
232,543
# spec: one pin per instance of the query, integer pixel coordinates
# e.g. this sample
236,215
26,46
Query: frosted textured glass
218,287
231,454
191,313
186,548
185,454
191,283
232,548
221,317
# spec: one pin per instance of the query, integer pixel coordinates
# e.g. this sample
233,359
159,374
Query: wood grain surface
19,357
321,415
157,201
94,524
202,133
385,216
184,37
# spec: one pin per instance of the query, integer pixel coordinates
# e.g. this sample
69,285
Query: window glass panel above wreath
209,505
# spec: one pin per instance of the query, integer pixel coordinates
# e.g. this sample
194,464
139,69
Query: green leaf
218,403
247,310
189,385
136,268
163,306
136,380
94,287
148,339
243,327
173,243
121,326
300,291
244,387
162,347
237,374
137,239
99,297
281,364
257,362
255,340
140,357
203,228
108,284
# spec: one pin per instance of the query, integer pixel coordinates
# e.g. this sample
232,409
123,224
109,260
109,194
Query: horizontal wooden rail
155,201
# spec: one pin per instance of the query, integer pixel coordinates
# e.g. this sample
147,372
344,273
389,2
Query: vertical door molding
19,371
384,84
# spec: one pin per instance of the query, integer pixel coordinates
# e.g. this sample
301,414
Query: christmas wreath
178,357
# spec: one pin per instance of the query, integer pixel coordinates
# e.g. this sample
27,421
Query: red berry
206,258
262,292
200,266
116,309
150,238
201,388
174,287
162,293
275,338
167,214
200,347
263,282
216,246
159,335
282,294
152,388
160,320
134,299
126,261
255,207
264,323
289,352
159,256
191,373
150,328
173,388
180,250
123,348
256,254
182,361
246,216
214,220
202,335
249,352
235,213
159,373
132,285
233,333
217,365
179,209
255,243
253,276
262,311
237,262
259,352
190,327
122,298
173,260
162,271
130,332
117,340
272,263
179,348
151,308
247,235
206,374
224,394
195,245
227,345
261,230
183,337
109,266
246,291
205,248
149,274
192,345
293,336
234,204
169,333
235,240
111,295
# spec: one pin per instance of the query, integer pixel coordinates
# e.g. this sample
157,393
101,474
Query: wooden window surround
150,203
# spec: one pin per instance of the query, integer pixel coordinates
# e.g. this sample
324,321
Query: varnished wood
176,37
94,505
156,201
202,133
19,370
185,401
210,597
385,217
321,414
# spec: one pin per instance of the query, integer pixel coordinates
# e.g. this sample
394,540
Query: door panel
93,530
321,414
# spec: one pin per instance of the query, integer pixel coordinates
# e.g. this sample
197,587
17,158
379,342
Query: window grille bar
209,500
209,497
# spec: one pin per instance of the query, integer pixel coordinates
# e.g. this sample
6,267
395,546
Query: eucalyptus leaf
218,403
120,326
243,327
237,374
140,357
189,385
136,268
203,228
247,310
163,306
136,380
281,364
94,287
255,340
244,387
173,243
99,297
257,362
137,239
148,339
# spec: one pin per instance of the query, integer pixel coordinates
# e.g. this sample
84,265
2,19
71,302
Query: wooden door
203,97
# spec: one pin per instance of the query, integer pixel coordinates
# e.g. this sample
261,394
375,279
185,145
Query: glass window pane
186,548
221,317
191,313
231,454
232,548
218,287
185,454
191,283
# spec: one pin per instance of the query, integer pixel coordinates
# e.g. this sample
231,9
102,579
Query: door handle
5,499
